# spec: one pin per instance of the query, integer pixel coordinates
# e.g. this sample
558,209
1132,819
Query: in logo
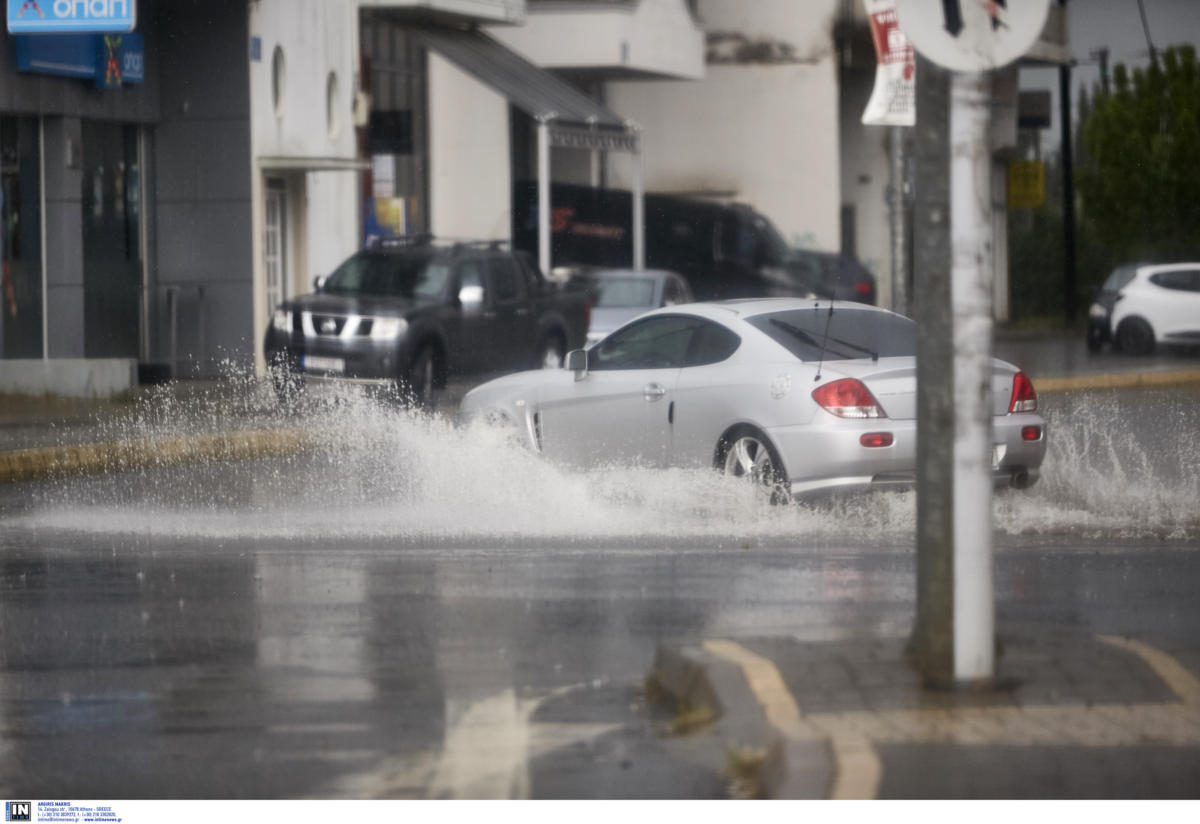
18,811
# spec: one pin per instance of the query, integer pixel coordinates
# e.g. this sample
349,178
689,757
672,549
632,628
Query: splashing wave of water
386,474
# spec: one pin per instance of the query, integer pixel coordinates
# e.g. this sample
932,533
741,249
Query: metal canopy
535,91
566,117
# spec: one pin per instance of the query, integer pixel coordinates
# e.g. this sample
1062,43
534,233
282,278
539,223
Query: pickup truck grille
328,325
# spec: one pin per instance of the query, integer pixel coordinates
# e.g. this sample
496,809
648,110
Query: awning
575,120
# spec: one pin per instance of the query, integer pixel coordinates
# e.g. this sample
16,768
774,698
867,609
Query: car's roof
1151,268
749,307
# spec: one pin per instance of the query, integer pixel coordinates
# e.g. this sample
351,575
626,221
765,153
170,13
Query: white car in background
620,295
796,394
1141,306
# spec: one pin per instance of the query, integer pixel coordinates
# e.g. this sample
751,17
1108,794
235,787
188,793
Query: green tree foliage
1139,179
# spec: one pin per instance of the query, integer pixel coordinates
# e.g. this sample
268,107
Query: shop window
20,239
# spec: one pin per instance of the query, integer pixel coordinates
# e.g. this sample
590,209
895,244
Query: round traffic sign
972,35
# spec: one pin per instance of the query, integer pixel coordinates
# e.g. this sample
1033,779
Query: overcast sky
1116,24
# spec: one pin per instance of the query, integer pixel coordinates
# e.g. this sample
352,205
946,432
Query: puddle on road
404,478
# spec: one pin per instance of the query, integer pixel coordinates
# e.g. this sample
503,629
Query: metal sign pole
971,308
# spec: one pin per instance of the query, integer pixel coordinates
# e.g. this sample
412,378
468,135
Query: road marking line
857,769
1182,682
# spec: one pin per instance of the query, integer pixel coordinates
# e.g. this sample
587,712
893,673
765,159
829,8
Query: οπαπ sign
60,16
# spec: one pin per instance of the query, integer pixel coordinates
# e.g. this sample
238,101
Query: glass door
112,264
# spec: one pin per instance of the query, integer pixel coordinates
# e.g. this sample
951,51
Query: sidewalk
1071,717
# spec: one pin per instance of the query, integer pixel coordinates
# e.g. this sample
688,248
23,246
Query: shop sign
894,99
64,16
111,60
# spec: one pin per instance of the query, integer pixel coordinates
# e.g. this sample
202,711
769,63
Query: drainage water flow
382,473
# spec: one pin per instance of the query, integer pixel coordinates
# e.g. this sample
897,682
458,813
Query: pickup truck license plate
315,363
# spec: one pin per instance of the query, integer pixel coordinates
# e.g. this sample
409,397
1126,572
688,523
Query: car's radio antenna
824,338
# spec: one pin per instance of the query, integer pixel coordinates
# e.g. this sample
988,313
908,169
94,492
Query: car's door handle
653,391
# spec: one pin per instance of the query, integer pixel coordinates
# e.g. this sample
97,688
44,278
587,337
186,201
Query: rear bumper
832,458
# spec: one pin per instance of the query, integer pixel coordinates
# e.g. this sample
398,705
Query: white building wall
470,171
307,128
764,135
760,133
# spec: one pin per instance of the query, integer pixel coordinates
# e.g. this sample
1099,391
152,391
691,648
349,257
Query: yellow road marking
1119,381
1182,682
857,768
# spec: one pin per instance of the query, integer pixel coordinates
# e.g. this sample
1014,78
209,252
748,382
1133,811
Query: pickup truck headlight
388,328
282,320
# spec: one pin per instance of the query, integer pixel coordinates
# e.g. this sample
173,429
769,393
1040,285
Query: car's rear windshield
621,293
383,273
846,334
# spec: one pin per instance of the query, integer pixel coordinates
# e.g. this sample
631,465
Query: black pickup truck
408,315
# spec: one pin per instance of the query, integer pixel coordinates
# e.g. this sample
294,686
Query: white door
621,411
275,256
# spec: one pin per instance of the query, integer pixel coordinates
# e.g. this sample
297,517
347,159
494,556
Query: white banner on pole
894,99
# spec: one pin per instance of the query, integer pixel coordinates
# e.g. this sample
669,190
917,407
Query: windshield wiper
874,355
800,334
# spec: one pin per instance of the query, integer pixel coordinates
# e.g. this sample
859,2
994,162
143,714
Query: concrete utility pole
932,643
971,304
954,637
898,214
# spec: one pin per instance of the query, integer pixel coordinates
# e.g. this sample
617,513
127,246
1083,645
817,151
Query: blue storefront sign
110,59
64,16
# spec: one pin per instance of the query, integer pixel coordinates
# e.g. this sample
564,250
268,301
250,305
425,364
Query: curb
761,758
31,464
1126,380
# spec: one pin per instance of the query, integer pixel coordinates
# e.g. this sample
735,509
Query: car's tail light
862,288
1031,433
876,439
848,398
1024,399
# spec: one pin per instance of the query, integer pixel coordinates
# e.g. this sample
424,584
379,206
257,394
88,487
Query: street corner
851,719
766,757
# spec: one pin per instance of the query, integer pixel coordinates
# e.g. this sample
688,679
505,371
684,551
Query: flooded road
418,610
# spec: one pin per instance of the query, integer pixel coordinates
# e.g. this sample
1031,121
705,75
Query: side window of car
712,343
504,275
1178,280
655,343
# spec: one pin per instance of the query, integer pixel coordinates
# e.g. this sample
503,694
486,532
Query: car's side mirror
319,282
471,296
577,363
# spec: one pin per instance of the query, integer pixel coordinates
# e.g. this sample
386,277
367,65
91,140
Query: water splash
405,478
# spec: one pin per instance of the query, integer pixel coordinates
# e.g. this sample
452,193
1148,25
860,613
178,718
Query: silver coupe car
799,395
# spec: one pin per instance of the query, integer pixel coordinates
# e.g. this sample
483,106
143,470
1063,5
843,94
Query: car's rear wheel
1135,336
747,453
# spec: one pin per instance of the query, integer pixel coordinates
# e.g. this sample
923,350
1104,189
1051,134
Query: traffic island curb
761,760
33,464
1130,380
